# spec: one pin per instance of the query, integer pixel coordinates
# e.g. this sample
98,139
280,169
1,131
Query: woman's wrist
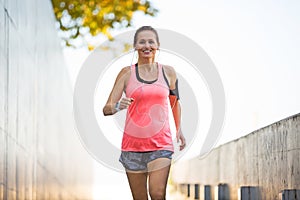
117,106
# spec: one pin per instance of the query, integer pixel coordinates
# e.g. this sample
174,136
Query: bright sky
255,46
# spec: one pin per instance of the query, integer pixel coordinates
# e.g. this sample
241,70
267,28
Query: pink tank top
147,121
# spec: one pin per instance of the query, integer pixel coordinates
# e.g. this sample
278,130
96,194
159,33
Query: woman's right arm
116,93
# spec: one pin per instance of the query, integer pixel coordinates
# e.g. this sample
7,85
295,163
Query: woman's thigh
138,184
158,171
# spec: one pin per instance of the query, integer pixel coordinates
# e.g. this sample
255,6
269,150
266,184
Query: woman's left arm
175,105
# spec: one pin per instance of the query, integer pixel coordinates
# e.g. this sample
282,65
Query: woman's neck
149,67
146,63
143,60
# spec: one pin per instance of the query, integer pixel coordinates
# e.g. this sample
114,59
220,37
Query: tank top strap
160,72
132,70
162,76
133,73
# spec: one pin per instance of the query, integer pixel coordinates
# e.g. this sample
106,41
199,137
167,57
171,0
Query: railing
262,165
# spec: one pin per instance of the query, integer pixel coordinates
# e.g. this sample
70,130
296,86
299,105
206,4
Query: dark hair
145,28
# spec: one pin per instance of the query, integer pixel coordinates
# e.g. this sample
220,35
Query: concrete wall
41,156
267,159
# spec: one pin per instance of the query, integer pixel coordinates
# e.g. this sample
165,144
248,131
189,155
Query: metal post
222,192
248,193
292,194
207,192
196,191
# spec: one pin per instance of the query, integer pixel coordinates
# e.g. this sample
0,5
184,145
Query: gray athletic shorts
137,161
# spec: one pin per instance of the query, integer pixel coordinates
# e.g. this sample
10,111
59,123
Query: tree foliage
78,18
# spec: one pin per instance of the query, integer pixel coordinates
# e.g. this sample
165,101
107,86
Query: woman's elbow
105,111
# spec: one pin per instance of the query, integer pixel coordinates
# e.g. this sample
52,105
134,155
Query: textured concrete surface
41,156
267,159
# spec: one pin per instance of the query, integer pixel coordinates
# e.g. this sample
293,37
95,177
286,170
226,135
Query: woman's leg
138,184
158,171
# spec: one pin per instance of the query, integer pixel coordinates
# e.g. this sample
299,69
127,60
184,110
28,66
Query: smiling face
146,44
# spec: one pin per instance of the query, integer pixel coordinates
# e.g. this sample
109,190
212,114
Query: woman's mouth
147,51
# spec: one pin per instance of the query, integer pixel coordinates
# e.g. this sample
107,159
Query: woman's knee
157,194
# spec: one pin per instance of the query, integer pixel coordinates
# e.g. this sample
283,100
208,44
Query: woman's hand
181,139
125,103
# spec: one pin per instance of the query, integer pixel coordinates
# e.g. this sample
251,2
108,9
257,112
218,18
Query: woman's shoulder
169,70
125,70
124,73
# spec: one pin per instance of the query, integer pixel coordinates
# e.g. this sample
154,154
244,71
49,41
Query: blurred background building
41,157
